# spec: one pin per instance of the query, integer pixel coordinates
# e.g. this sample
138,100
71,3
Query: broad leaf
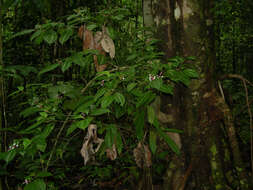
50,36
131,86
119,98
38,184
191,73
99,111
49,68
106,101
152,141
139,123
65,35
151,114
167,139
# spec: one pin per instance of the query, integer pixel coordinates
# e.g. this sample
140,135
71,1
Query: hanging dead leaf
111,153
98,37
90,140
87,37
108,45
142,156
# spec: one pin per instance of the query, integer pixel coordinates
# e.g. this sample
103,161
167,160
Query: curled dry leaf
87,37
142,156
111,153
90,140
108,45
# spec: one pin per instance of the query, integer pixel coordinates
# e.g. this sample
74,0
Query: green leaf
38,184
49,68
99,111
84,108
131,86
65,35
44,174
106,101
41,143
48,129
119,98
191,73
99,93
108,138
157,83
119,143
85,123
166,89
139,123
91,26
66,65
78,58
50,36
72,127
29,111
145,99
24,32
167,139
8,156
152,141
36,34
151,114
26,142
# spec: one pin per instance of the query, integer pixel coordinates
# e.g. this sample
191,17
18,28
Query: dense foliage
54,92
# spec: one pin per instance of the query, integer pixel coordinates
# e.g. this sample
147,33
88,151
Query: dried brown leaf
108,45
142,155
111,153
87,150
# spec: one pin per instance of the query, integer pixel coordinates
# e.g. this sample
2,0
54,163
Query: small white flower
151,77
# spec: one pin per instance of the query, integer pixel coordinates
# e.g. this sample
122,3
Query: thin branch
56,141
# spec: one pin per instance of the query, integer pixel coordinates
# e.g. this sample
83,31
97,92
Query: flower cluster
13,146
153,77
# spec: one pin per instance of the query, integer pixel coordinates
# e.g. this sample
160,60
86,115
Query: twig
221,90
56,141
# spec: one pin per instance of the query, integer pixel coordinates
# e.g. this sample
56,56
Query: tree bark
187,29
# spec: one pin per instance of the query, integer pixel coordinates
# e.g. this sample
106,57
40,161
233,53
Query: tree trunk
209,144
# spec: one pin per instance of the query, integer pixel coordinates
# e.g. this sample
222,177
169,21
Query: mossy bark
186,29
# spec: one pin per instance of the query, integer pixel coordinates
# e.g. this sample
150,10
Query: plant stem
56,141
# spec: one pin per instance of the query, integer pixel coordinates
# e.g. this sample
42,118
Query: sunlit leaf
151,114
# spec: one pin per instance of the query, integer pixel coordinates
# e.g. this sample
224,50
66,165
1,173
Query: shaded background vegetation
45,113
